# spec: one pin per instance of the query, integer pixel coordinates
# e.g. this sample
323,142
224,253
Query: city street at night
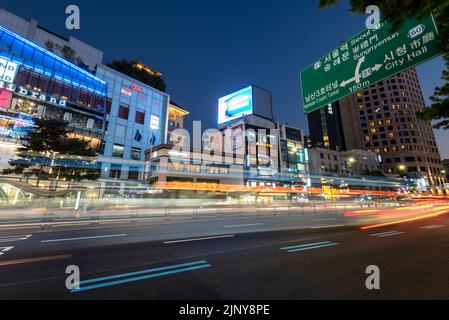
235,259
223,159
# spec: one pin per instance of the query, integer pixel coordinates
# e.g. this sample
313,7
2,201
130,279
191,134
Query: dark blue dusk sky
206,49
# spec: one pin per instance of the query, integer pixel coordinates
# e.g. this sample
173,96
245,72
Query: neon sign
40,96
136,88
19,129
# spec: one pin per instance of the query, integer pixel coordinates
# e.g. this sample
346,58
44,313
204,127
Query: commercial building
382,119
35,83
250,148
136,119
325,128
120,116
291,150
176,115
82,54
245,118
353,162
168,166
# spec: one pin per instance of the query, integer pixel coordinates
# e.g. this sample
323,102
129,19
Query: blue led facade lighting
17,49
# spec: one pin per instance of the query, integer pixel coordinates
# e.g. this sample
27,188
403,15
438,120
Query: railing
94,218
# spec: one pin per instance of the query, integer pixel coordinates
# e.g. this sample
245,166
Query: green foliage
128,68
66,52
397,12
49,45
49,154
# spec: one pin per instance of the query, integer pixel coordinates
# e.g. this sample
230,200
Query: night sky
206,49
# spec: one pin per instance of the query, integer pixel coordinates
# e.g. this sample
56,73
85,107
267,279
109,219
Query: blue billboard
236,105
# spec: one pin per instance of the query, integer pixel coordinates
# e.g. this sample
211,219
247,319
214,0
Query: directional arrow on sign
376,67
356,78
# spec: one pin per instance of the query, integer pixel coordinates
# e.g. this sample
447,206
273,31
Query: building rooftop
149,70
178,108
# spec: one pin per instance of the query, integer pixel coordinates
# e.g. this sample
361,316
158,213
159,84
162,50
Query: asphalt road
307,257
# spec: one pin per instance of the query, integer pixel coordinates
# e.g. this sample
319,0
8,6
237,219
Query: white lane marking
330,226
243,225
15,238
432,226
391,234
85,238
381,234
199,239
4,249
327,219
387,234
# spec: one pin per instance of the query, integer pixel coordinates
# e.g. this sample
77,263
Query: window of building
116,171
133,173
174,166
120,131
118,150
123,112
108,105
135,153
140,117
193,168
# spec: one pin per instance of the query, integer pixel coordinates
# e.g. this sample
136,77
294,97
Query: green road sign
367,58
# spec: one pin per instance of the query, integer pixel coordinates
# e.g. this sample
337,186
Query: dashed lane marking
199,239
243,225
386,234
432,226
84,238
309,246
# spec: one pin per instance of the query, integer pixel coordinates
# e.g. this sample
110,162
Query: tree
49,154
396,12
130,69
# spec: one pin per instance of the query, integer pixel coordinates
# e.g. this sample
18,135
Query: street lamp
401,168
351,161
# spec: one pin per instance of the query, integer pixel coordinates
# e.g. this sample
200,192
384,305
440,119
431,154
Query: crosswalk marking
15,238
5,249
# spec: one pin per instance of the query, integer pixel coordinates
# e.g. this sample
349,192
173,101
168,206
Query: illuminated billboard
235,105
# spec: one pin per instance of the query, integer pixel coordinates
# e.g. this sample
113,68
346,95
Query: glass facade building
36,83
